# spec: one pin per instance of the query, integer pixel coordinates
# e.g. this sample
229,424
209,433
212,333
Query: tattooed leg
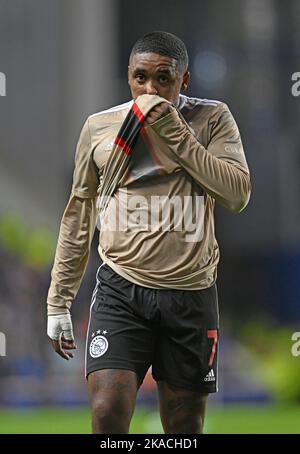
181,411
113,395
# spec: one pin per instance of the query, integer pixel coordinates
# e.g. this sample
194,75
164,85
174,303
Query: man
155,302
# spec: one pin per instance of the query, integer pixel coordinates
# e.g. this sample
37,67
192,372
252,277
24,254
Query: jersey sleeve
86,174
221,168
225,139
72,253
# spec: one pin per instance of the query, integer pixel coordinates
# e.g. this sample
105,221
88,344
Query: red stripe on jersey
138,113
123,145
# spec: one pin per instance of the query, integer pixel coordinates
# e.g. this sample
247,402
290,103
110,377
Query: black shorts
175,331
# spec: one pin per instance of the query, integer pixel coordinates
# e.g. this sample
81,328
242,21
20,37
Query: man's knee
108,417
113,395
181,410
187,424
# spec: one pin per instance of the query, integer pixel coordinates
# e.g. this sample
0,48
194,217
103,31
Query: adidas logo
210,376
109,146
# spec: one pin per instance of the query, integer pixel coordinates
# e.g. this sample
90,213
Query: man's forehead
154,60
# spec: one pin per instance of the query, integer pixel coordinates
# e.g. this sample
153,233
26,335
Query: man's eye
140,77
163,79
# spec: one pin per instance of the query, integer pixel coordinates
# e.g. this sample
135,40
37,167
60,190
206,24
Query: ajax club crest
98,346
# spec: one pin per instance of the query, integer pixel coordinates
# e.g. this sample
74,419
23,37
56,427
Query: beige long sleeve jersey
180,166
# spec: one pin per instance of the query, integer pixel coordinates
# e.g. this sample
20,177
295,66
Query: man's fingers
68,345
60,331
59,348
157,112
161,108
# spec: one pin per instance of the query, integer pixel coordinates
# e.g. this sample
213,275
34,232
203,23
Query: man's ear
185,80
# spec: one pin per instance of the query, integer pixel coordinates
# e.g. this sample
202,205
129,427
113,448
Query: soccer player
163,159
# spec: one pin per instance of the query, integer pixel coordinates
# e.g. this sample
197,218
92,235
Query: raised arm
221,168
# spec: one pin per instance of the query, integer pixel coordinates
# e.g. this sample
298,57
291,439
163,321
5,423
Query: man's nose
150,89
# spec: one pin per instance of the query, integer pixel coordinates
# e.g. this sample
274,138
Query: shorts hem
190,387
117,367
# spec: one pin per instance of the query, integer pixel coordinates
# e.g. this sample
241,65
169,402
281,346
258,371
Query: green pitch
229,420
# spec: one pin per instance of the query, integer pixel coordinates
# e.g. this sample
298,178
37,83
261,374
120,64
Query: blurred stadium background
64,60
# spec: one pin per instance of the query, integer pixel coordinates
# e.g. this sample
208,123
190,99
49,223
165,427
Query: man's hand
158,112
60,331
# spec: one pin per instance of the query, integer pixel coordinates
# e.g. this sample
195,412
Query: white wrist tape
58,325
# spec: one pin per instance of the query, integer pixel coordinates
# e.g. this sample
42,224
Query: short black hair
163,43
